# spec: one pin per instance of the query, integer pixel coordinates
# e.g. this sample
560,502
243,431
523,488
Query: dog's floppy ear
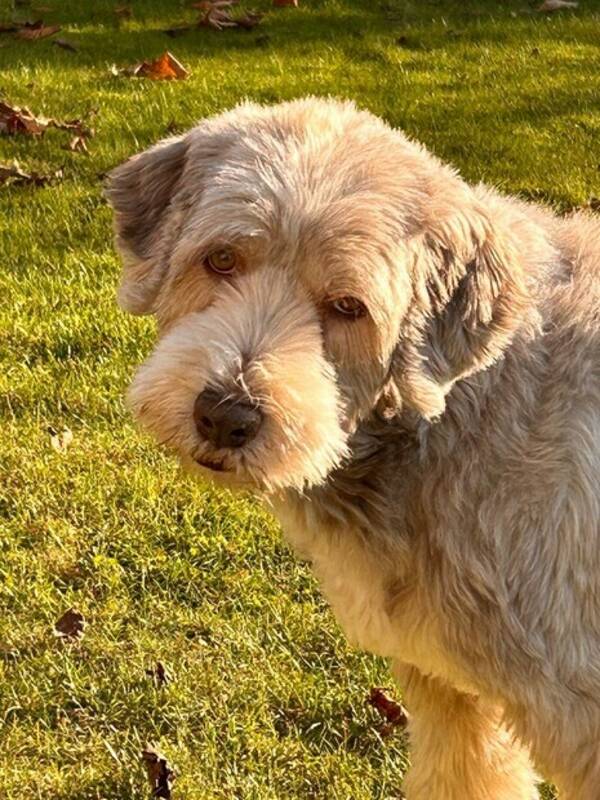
470,296
140,192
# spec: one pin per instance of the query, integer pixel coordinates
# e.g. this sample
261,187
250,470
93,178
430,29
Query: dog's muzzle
244,387
224,421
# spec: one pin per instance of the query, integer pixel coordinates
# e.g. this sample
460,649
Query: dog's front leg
459,751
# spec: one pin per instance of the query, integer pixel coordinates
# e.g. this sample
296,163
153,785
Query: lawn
265,699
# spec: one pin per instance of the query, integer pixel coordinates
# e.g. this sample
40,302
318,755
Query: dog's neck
359,493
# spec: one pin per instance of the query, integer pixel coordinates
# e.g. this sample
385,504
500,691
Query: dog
407,367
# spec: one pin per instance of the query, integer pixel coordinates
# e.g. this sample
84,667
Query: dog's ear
470,296
140,192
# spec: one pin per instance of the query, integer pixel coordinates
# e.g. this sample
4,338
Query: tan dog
409,367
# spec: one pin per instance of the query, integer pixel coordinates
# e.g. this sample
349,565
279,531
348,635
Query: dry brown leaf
282,3
65,45
20,120
10,172
37,30
124,12
60,440
13,175
77,145
164,68
217,14
392,712
78,126
71,625
159,674
159,772
556,5
249,20
15,120
207,5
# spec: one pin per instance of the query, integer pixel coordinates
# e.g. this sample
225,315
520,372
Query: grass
266,698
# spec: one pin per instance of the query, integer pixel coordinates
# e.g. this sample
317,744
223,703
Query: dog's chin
219,470
237,470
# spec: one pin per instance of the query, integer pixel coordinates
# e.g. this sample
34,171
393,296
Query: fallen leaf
20,120
282,3
13,175
78,126
65,45
556,5
165,67
205,5
71,625
160,773
249,20
15,120
77,145
60,440
42,9
37,30
392,712
11,171
159,674
217,14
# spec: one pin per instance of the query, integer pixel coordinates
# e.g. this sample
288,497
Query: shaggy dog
407,366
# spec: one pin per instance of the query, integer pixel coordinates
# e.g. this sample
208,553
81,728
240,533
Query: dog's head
305,263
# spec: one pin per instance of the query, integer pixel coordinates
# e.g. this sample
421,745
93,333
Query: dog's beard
261,341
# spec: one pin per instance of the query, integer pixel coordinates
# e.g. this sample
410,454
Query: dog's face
282,252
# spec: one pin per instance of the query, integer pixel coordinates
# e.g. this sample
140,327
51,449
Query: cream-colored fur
437,458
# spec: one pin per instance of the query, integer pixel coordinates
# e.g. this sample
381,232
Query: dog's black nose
225,422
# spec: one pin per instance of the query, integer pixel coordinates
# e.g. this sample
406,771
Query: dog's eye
223,261
349,307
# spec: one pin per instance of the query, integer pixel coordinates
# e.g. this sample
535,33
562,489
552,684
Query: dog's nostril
225,422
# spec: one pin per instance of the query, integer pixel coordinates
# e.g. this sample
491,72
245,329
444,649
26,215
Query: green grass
266,698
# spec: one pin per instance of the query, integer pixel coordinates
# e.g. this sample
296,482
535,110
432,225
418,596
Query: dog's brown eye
349,307
223,261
